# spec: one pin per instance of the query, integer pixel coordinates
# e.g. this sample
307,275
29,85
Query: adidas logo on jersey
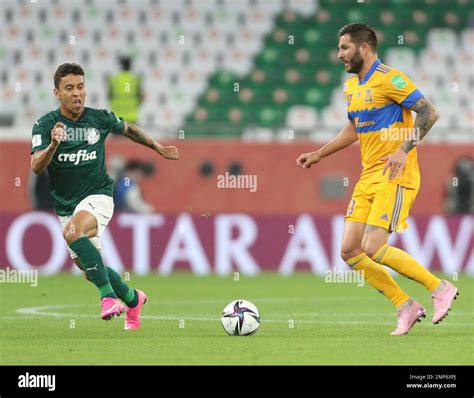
79,156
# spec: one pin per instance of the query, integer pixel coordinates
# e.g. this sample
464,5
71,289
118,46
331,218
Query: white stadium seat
301,117
226,34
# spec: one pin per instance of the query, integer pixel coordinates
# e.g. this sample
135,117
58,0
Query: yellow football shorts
383,204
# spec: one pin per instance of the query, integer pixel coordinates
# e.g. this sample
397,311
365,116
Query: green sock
92,264
128,295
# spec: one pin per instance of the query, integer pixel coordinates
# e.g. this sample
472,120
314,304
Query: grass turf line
304,321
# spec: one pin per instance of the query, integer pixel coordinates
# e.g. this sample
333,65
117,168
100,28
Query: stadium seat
467,40
235,41
261,134
301,118
401,58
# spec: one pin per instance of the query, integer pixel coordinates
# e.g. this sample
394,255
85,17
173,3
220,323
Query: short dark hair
66,69
360,33
125,63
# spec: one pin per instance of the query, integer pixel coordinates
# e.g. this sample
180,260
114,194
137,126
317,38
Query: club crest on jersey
349,99
368,95
92,136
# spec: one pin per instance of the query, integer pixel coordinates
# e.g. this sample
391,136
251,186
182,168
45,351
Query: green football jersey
77,169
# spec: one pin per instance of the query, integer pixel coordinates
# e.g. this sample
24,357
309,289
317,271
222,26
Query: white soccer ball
240,318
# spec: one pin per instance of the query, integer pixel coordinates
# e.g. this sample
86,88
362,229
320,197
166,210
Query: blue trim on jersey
409,101
382,117
370,72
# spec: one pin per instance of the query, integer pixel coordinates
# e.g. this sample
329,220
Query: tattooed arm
136,134
425,118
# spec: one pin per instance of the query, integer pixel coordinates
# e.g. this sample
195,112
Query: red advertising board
228,242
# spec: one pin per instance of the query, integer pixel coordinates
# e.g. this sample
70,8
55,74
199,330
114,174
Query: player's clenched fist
58,133
170,152
305,160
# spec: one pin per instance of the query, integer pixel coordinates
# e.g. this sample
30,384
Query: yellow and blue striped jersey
379,106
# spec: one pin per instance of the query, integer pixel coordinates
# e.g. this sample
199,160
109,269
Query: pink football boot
111,307
443,301
407,318
132,319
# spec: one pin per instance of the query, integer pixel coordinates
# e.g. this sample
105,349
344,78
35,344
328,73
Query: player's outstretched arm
136,134
41,159
345,137
426,117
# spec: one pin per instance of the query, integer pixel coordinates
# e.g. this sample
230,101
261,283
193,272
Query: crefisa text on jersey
79,156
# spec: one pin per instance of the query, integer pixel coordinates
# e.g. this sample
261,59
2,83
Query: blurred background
242,88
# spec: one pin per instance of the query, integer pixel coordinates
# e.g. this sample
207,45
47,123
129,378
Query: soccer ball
240,318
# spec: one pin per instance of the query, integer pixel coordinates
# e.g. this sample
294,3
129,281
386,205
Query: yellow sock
406,265
379,278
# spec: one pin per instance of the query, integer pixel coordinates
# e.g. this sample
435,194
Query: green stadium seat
355,15
312,37
327,20
316,97
292,76
272,116
223,79
307,71
268,58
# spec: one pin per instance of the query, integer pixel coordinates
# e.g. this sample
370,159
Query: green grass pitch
304,321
